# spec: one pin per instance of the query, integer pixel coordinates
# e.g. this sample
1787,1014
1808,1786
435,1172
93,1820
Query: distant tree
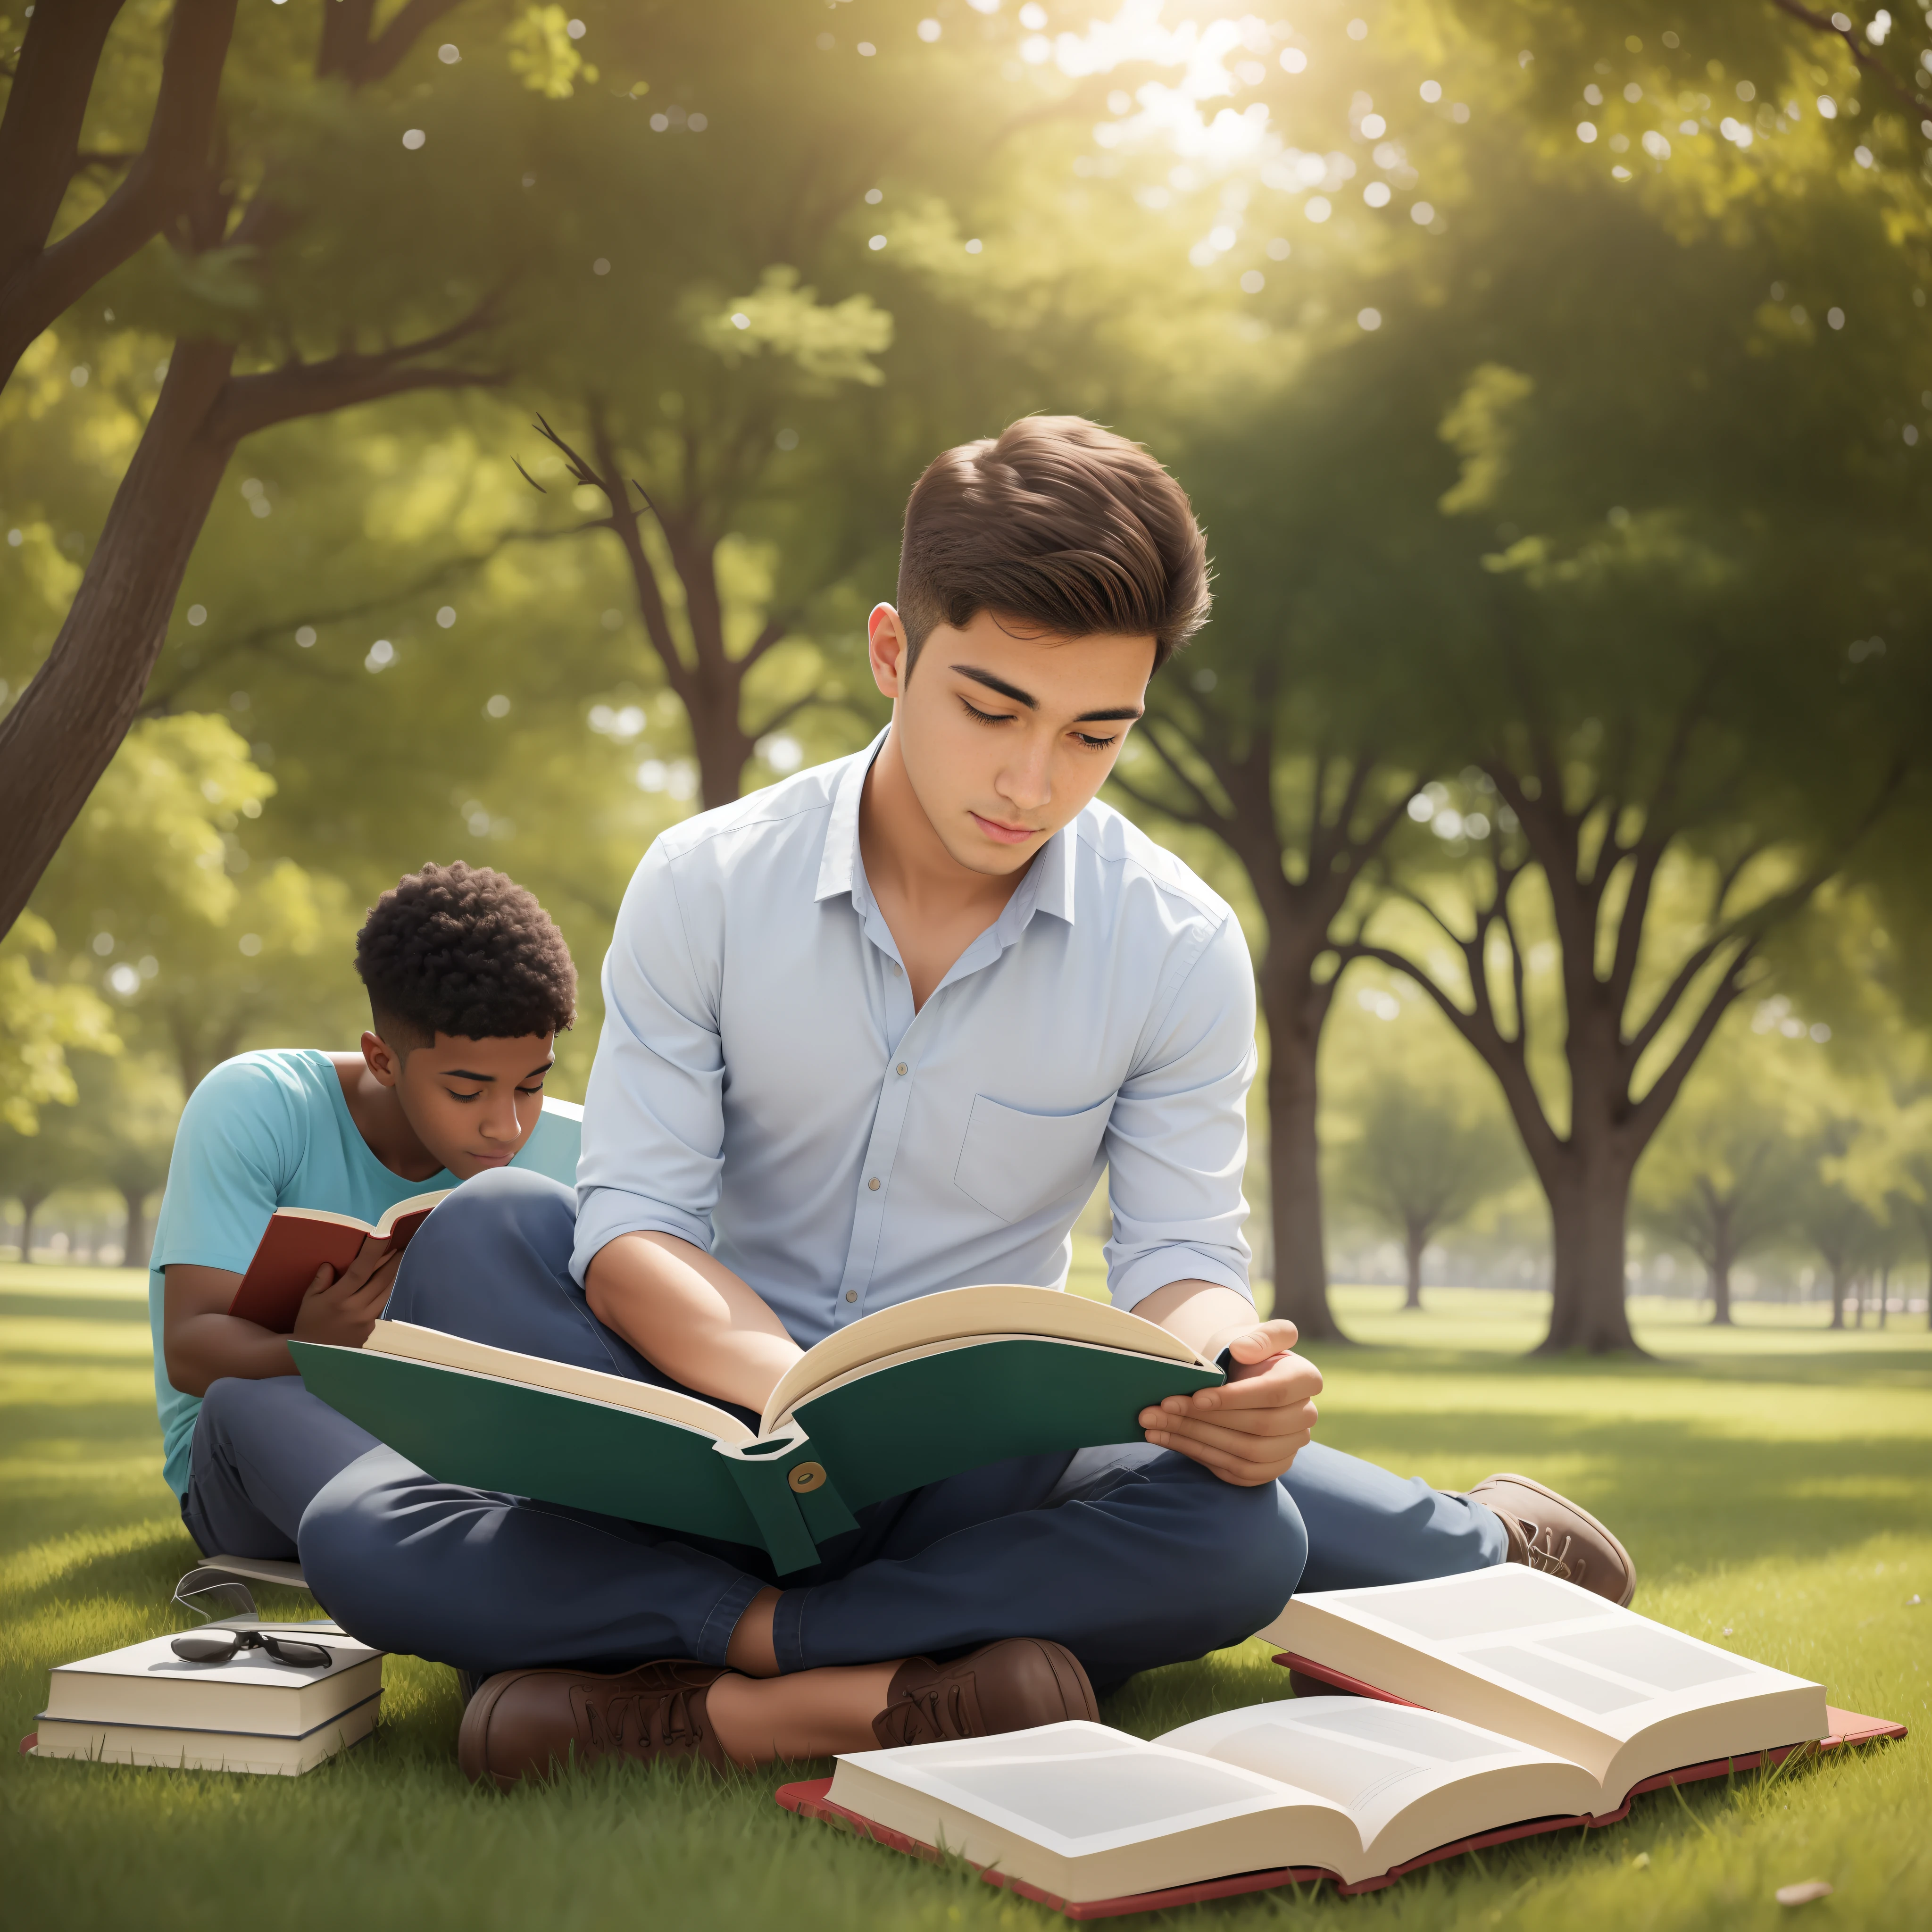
154,898
33,1166
1722,1175
119,1134
42,1018
1422,1158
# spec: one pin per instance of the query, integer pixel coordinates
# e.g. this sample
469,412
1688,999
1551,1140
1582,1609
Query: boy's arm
202,1341
691,1316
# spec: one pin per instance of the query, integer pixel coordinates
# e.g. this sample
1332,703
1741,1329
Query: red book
298,1240
1521,1705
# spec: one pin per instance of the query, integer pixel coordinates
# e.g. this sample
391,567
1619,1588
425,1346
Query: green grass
1775,1483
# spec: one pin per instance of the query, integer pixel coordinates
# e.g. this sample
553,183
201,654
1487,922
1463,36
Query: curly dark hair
463,950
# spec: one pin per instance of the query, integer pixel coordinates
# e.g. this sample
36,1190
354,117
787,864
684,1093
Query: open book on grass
915,1392
1563,1704
298,1240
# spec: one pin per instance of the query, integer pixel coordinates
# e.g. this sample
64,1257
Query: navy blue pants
1130,1556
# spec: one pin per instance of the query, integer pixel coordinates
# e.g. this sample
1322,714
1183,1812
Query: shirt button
902,1069
897,968
851,1294
874,1184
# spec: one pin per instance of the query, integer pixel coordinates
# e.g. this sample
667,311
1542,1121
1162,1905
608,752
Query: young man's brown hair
1060,524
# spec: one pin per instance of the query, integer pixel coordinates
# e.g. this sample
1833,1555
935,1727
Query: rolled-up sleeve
653,1114
1176,1141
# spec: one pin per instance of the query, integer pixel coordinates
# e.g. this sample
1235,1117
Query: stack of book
145,1705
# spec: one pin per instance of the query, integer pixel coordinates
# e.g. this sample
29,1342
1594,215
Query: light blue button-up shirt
764,1089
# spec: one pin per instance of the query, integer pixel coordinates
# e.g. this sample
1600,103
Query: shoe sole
1576,1509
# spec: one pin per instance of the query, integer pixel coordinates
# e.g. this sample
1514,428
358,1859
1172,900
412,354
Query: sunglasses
220,1592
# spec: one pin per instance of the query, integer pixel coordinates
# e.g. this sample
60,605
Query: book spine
791,1497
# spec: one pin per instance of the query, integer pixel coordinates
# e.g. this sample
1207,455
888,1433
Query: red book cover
298,1240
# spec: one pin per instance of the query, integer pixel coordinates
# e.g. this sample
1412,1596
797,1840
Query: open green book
900,1398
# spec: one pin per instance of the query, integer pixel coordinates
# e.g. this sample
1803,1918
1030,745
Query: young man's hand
1249,1430
343,1310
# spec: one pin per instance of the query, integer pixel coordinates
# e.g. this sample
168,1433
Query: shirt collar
1048,886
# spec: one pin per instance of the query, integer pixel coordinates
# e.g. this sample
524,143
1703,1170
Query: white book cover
146,1685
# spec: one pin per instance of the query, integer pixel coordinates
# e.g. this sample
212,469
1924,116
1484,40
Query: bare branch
774,630
1648,1115
1207,812
784,714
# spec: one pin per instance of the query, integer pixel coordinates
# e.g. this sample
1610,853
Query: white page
1374,1760
1577,1656
1079,1788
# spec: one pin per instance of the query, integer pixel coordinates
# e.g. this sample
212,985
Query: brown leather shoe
1011,1685
528,1724
1549,1532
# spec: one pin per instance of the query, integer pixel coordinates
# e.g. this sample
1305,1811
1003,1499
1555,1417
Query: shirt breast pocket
1014,1163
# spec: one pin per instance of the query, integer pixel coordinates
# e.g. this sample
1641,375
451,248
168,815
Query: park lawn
1775,1483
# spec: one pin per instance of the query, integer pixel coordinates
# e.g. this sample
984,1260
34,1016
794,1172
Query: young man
870,1033
469,983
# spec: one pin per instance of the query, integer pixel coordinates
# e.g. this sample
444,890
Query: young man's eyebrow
1032,703
464,1073
1000,685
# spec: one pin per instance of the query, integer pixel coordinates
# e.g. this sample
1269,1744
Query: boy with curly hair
469,983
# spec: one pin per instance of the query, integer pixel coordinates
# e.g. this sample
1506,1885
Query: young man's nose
1027,783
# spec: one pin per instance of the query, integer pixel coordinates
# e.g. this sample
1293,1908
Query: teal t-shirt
272,1129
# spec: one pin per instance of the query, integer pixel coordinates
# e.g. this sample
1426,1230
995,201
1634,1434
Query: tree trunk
1838,1298
57,739
1415,1239
723,749
30,1206
136,1243
1884,1291
1294,1008
1720,1276
1587,1209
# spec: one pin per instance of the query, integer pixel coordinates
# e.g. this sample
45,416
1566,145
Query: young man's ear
887,650
381,1059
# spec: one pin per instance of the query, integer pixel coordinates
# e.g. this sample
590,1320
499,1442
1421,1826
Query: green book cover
861,1417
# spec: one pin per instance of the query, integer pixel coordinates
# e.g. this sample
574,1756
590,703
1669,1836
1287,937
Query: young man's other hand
343,1310
1249,1430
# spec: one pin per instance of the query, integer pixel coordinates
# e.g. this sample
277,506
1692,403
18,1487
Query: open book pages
932,1324
960,1315
1536,1658
1339,1783
506,1365
379,1228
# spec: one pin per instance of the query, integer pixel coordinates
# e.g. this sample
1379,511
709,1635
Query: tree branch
1207,813
256,402
1648,1115
1920,107
39,146
382,56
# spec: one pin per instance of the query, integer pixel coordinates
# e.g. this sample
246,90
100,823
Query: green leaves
827,343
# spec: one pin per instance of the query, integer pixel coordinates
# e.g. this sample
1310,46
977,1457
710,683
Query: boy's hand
1249,1430
343,1312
